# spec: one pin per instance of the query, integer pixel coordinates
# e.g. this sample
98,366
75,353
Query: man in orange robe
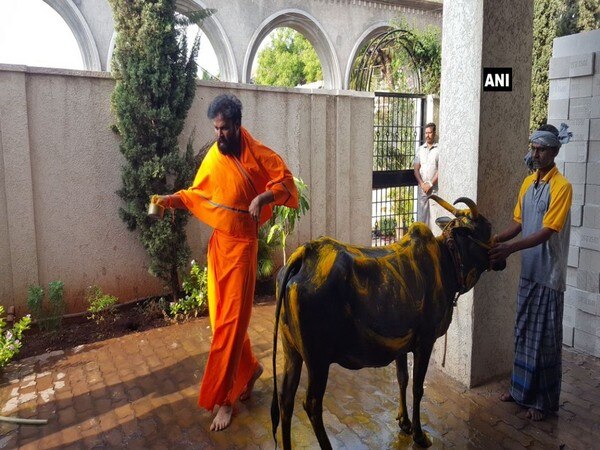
233,191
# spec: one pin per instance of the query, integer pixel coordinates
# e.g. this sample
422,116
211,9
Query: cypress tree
155,86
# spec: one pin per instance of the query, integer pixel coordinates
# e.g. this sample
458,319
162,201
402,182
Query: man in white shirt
426,173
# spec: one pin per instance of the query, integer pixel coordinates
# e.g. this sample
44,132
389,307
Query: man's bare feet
248,391
223,418
535,414
506,397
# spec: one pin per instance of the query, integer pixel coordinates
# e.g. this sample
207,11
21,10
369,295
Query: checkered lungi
536,373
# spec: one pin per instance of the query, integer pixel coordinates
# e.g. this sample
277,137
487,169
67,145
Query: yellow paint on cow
354,251
325,259
393,344
294,315
293,303
298,254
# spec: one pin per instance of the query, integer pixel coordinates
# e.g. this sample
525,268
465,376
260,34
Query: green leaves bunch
102,307
48,317
195,301
289,60
11,340
284,219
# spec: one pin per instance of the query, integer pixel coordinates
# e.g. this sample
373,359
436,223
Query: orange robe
220,196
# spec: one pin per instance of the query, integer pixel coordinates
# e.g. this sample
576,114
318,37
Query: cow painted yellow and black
366,307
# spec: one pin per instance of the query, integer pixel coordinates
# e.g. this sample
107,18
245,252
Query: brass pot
155,211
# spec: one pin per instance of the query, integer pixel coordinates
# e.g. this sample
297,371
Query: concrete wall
60,168
575,99
483,137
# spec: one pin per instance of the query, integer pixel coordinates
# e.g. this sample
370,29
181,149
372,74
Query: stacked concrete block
574,99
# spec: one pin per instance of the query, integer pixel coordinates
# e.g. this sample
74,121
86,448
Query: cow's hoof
405,426
422,440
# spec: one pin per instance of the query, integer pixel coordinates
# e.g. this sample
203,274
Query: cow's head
468,235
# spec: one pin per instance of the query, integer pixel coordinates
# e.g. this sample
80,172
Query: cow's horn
444,204
471,204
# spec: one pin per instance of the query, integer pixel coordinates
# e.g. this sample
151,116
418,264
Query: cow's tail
290,269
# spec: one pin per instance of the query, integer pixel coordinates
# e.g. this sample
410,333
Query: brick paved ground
139,391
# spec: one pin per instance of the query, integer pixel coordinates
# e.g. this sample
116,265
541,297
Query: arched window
208,65
32,33
286,58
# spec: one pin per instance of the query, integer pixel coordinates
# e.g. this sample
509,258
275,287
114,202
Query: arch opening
308,27
286,58
54,34
386,62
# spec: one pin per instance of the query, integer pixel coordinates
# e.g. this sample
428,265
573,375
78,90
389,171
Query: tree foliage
155,86
289,60
396,61
552,19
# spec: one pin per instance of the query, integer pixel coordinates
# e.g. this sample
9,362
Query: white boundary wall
60,167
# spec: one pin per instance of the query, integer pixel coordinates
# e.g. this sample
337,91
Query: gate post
483,138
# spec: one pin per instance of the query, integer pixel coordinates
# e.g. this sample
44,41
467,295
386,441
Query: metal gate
398,132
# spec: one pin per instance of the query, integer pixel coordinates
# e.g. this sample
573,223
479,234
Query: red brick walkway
139,391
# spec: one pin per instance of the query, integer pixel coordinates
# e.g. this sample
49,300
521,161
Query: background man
426,173
542,216
233,191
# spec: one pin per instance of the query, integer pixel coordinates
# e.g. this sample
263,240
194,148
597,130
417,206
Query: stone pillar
483,138
574,99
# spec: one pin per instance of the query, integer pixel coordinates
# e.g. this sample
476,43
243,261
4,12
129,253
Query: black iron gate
398,132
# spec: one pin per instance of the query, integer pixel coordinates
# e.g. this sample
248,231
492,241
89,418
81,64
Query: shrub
153,308
57,304
35,302
102,307
284,219
10,340
48,317
195,301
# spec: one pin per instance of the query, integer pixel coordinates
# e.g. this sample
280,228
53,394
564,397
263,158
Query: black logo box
497,79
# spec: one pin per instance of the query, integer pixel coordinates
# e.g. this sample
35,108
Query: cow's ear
442,221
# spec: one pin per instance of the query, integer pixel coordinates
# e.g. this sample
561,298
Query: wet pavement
140,391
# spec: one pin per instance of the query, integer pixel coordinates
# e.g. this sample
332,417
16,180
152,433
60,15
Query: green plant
284,219
35,302
265,264
57,304
155,86
47,317
11,340
195,301
102,307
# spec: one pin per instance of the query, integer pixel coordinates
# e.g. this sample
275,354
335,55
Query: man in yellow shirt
542,216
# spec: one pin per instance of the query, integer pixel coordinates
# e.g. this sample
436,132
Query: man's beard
226,147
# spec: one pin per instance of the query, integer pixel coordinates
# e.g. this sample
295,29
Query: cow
366,307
